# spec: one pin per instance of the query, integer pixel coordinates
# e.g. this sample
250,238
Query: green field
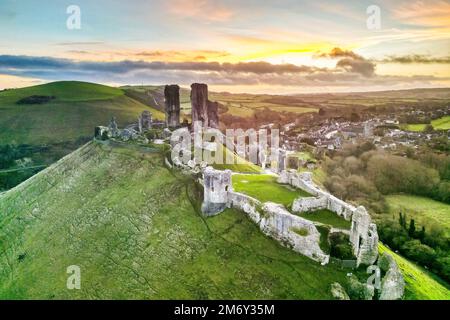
326,217
438,124
426,212
77,108
245,105
441,123
265,188
420,284
134,229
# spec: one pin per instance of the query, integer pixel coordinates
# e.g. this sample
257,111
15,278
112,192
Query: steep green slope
76,109
420,284
132,227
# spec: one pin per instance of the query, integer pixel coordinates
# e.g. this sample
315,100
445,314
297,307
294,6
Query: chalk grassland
426,212
134,229
77,108
420,284
265,188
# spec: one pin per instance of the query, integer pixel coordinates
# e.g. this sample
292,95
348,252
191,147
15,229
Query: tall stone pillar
172,99
199,103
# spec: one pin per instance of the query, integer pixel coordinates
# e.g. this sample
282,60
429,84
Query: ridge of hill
73,112
134,228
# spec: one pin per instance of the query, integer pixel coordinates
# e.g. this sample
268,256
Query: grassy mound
77,107
132,227
420,284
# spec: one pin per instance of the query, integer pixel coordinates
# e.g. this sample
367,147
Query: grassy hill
134,229
76,109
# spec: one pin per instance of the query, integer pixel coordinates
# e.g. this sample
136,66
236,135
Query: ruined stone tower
364,237
216,186
202,109
172,99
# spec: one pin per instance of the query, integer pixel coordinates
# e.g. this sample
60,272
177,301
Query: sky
271,46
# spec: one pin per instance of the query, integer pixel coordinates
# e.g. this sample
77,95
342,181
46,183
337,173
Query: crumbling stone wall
202,109
363,233
393,283
172,101
275,221
145,121
364,237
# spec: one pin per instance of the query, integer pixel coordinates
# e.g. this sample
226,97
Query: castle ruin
216,185
172,100
202,109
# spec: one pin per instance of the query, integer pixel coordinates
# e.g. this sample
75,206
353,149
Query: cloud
349,72
350,61
364,67
416,58
339,53
29,62
185,55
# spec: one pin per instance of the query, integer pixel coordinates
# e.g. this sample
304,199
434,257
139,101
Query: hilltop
76,108
134,228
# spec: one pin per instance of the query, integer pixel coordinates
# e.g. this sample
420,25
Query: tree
402,220
412,228
421,234
428,128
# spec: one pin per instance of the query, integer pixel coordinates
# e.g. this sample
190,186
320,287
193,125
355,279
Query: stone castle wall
363,233
275,221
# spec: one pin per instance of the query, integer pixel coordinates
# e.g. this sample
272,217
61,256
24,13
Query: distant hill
73,112
134,228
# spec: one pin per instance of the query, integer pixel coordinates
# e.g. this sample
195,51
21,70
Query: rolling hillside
74,111
134,229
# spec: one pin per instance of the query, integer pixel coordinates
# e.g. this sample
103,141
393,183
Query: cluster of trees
10,153
364,174
430,249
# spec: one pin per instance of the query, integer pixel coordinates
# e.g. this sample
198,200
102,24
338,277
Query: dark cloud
416,58
8,61
349,72
339,53
364,67
350,61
